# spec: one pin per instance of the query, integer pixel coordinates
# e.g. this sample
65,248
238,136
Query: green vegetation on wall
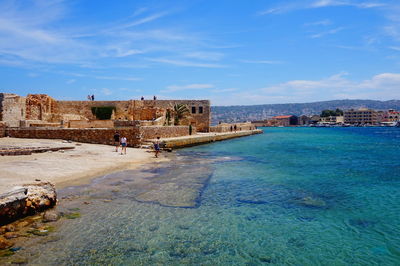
103,112
180,111
337,112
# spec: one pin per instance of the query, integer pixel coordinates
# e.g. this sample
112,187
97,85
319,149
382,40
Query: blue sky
231,52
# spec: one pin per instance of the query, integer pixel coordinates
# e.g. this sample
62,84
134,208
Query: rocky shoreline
26,200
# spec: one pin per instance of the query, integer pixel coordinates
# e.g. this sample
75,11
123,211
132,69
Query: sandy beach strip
66,167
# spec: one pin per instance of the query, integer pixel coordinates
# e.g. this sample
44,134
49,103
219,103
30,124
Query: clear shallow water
291,196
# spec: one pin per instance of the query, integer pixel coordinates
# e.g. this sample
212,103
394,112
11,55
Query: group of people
123,142
90,97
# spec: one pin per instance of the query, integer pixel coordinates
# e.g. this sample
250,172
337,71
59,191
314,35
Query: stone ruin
41,116
41,110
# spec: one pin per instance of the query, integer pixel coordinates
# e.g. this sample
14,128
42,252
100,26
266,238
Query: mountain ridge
238,113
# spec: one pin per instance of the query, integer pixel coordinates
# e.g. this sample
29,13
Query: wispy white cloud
328,32
324,22
211,56
269,62
185,63
141,21
30,35
292,6
194,86
359,4
70,81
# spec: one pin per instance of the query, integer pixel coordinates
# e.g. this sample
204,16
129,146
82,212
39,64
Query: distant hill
259,112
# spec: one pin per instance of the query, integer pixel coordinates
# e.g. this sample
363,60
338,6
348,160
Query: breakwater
203,138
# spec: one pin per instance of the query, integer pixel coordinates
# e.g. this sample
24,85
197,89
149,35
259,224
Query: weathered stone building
42,110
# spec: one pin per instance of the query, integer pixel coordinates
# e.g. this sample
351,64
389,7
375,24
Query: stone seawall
199,139
226,127
152,132
88,135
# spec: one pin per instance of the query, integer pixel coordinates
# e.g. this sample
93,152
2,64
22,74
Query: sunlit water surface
290,196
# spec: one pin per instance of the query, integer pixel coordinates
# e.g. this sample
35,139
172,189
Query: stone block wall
225,127
87,135
125,123
12,109
91,124
152,132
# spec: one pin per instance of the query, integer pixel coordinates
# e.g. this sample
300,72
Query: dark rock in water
51,216
153,228
118,183
15,249
19,261
306,219
72,215
252,217
6,253
313,202
183,227
49,239
137,248
265,259
252,201
296,242
41,231
362,223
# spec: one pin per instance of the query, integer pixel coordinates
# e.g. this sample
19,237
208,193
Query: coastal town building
362,116
332,120
304,120
285,120
391,116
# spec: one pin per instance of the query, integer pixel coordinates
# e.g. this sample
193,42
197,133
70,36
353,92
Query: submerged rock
51,216
72,215
19,261
313,202
6,253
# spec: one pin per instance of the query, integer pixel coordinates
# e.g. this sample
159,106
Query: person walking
157,146
116,141
124,143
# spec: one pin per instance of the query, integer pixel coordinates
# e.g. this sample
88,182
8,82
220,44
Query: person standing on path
157,146
116,141
124,143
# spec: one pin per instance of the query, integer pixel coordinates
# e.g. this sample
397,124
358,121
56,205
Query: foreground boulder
26,200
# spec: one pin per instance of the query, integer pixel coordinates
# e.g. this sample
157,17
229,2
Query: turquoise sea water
290,196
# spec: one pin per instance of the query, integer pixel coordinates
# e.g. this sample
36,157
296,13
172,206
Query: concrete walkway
202,138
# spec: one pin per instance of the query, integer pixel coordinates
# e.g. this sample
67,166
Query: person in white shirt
124,143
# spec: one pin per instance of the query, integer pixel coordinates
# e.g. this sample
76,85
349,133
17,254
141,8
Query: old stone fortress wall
41,116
